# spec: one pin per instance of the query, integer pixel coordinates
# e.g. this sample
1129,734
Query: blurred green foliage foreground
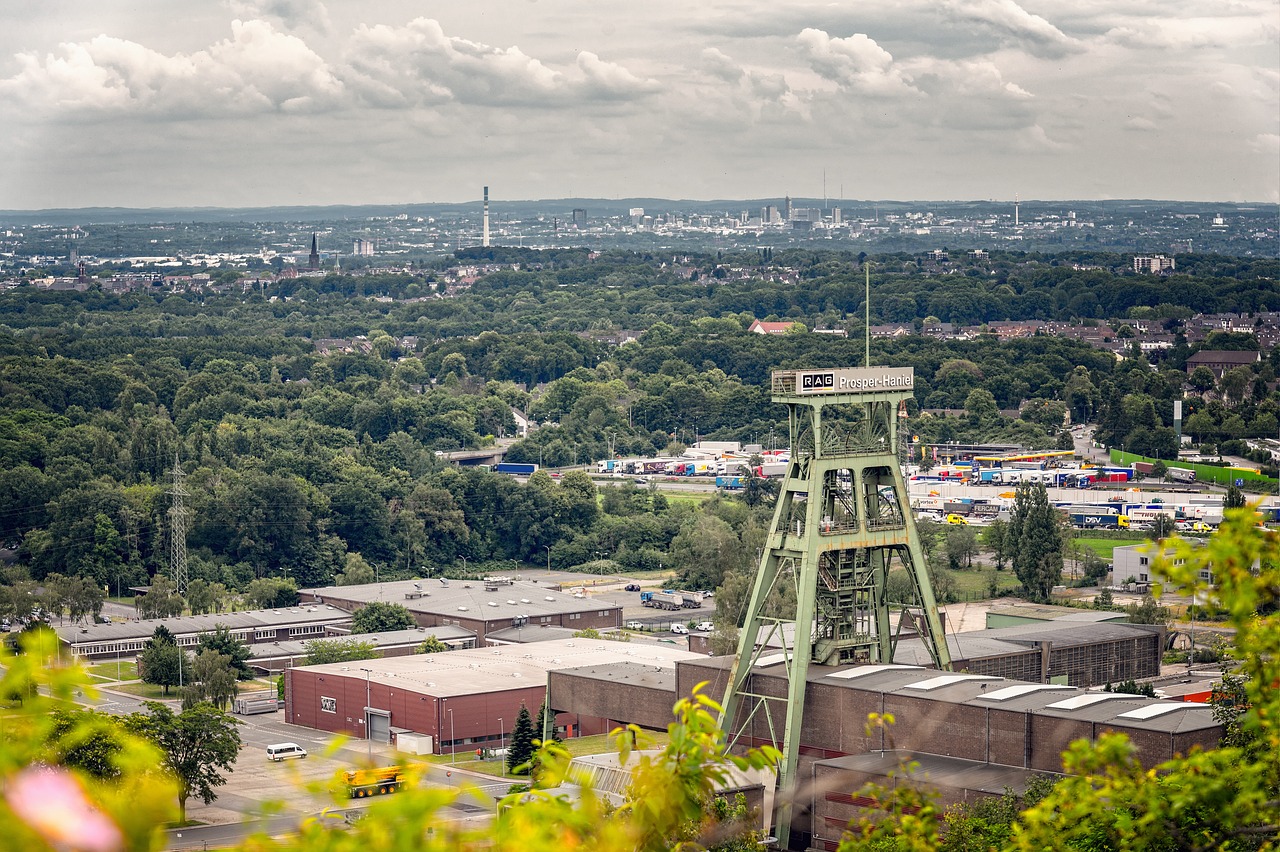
78,780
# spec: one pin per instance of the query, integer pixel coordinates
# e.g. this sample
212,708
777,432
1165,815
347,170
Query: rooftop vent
493,603
549,598
462,609
524,600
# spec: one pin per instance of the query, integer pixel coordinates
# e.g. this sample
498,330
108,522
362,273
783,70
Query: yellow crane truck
362,783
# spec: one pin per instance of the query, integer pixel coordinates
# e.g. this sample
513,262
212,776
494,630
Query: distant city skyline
254,103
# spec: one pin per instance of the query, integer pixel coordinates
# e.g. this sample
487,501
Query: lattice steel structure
178,528
843,517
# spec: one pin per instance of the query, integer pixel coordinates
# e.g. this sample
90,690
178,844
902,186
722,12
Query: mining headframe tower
843,519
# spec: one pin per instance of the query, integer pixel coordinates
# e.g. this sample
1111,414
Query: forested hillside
310,467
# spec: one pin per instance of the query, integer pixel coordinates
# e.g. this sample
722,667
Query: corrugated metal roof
262,619
467,598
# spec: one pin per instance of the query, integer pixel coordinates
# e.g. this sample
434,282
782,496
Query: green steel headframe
843,516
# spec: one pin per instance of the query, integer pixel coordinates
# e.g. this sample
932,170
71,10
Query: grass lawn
577,747
127,670
972,584
1102,546
147,690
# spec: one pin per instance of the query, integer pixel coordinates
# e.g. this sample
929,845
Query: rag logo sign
817,381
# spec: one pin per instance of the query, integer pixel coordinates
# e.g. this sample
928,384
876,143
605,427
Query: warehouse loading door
379,722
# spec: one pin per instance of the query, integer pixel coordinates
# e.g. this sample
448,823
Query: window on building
328,705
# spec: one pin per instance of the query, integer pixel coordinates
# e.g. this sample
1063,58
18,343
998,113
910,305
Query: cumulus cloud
258,69
1013,24
717,64
608,80
855,63
289,14
1266,143
1189,33
419,61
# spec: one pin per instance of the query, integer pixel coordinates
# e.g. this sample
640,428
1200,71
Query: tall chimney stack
486,217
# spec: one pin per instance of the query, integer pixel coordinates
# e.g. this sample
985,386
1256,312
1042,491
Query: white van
284,751
679,628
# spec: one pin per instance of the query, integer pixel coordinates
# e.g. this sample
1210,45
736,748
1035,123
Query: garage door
379,727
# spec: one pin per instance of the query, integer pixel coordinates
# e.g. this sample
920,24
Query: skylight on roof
1151,711
1075,702
862,671
1021,689
947,680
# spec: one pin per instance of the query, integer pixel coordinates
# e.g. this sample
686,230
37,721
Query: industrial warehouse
466,699
481,606
975,734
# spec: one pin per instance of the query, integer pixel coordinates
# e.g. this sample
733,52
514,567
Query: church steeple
313,262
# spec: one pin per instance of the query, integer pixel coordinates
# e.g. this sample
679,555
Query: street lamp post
502,738
368,701
453,739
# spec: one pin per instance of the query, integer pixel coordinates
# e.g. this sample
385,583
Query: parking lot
613,589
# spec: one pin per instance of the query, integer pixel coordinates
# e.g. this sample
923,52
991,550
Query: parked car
632,587
635,625
679,628
706,626
640,480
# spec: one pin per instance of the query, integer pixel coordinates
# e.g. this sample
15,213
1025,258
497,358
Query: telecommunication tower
178,528
843,519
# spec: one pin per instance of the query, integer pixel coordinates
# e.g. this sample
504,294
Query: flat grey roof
502,667
1020,638
630,674
387,639
1068,702
466,598
974,644
1064,633
186,625
534,633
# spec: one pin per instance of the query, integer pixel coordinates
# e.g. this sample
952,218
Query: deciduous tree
320,651
199,746
377,617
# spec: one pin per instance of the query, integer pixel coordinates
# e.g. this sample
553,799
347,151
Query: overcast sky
266,102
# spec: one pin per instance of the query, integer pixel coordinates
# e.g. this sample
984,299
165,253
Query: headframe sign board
855,380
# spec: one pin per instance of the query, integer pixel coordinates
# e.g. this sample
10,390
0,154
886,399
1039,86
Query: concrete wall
592,702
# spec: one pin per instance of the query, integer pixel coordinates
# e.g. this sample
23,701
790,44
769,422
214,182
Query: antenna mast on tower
178,528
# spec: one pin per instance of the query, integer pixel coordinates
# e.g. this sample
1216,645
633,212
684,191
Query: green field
124,670
1102,546
576,746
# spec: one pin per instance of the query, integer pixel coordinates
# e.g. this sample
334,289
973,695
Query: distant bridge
491,455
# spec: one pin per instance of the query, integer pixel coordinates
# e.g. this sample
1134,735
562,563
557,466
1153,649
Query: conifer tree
1036,541
520,747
